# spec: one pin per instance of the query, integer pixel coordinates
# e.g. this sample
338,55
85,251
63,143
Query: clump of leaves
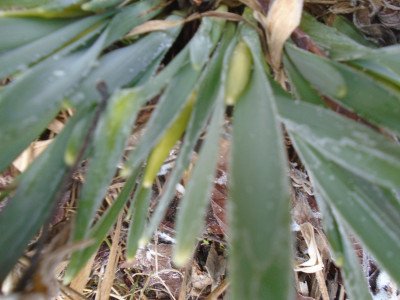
57,51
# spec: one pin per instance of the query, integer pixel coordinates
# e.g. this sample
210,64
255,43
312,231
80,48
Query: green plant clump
56,52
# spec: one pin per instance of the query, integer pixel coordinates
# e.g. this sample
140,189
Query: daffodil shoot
164,146
239,73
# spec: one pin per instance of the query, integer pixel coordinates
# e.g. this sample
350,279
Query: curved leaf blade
260,218
19,59
194,203
352,145
209,91
364,95
366,208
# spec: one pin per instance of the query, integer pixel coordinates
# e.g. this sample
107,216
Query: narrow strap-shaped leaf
261,243
362,206
55,9
208,92
366,96
42,3
40,92
350,144
343,253
20,58
337,45
101,229
23,3
382,63
172,101
138,221
100,4
299,85
200,46
131,16
345,26
33,199
109,142
194,203
131,62
15,32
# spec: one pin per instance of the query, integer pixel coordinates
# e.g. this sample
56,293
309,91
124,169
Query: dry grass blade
156,25
105,284
22,162
282,19
79,282
219,290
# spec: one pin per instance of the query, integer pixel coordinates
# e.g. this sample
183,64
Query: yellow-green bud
164,146
239,72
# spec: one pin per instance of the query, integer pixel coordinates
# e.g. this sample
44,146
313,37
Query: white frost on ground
387,289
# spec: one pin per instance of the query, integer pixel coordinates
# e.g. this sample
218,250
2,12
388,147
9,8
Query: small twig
218,290
182,293
322,285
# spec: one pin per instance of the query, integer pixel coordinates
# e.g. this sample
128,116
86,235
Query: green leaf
383,64
19,59
55,9
364,207
260,218
15,32
33,199
131,16
132,63
172,101
36,97
111,135
346,27
194,203
41,89
301,88
102,227
369,98
343,253
200,46
352,145
100,4
209,90
23,3
337,45
138,221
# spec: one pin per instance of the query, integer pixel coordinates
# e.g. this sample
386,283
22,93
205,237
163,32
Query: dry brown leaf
200,281
282,19
314,264
154,25
22,162
215,265
55,126
106,283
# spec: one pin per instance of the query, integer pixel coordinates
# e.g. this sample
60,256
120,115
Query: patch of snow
166,237
386,288
180,188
